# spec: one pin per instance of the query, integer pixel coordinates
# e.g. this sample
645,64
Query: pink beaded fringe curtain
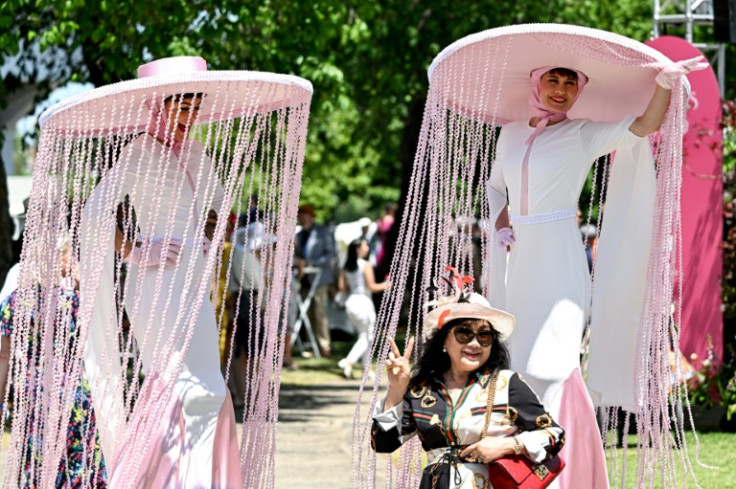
473,91
248,140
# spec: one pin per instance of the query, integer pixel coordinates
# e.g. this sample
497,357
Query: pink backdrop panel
702,210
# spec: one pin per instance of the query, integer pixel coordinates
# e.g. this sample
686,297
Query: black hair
566,72
433,362
351,262
177,97
251,216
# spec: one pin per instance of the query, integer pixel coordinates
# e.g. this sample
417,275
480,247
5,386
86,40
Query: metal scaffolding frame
690,13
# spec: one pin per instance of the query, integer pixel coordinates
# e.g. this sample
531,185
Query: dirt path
313,442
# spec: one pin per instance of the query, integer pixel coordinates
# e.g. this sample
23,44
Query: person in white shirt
357,279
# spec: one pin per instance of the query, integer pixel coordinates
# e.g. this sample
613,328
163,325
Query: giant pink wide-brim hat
228,95
476,307
485,76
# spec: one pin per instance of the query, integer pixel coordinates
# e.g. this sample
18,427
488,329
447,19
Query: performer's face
557,91
464,346
182,115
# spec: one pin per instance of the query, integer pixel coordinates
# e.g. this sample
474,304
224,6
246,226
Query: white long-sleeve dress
546,285
172,320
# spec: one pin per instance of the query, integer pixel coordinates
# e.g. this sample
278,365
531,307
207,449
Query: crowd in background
334,267
320,283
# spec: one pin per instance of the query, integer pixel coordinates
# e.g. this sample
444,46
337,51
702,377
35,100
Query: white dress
547,282
547,285
164,307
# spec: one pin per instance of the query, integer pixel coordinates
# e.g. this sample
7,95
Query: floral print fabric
81,464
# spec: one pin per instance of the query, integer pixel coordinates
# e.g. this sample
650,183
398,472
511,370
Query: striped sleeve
541,436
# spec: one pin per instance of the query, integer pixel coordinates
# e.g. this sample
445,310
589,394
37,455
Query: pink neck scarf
542,111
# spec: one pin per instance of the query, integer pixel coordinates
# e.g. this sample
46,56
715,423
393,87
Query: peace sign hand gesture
398,372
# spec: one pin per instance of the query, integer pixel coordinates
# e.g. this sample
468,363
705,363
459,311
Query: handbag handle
490,397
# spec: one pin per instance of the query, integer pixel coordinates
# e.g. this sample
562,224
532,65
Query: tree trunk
6,227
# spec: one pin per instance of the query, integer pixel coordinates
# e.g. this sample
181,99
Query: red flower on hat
460,281
459,284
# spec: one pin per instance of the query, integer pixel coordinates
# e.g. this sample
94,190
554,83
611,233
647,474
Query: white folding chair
303,320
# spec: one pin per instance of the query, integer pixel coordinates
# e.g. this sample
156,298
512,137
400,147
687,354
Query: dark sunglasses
465,335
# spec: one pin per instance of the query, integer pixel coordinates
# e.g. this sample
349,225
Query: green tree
366,60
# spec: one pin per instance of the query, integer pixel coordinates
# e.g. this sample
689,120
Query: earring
444,350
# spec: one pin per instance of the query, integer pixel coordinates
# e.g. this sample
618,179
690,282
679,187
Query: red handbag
518,471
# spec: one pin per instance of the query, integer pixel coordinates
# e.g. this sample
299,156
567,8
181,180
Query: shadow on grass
299,403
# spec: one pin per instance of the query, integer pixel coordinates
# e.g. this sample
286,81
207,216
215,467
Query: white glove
668,75
206,243
505,237
153,250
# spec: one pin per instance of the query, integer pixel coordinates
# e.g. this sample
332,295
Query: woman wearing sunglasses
443,399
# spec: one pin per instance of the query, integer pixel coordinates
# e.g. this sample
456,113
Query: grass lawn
320,370
716,450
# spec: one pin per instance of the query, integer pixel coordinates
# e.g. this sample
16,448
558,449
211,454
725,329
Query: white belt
556,215
184,242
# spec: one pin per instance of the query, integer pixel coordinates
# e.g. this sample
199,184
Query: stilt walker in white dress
540,167
481,136
146,168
